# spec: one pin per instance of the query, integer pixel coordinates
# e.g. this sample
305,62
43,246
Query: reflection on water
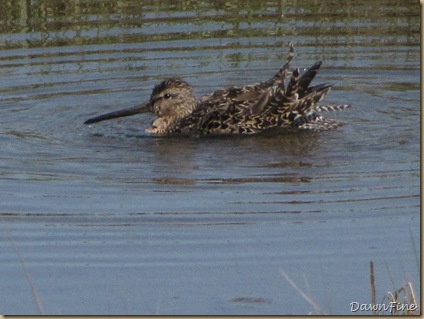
57,23
203,226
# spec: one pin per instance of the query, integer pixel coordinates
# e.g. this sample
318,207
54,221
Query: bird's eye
167,96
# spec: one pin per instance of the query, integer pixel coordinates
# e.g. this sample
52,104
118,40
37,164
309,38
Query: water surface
108,220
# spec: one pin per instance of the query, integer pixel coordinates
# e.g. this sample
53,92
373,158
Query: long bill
143,108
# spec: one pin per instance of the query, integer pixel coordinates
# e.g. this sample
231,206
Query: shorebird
285,100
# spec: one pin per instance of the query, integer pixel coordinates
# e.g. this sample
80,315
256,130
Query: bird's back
285,100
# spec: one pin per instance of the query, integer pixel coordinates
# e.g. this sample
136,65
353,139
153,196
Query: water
107,220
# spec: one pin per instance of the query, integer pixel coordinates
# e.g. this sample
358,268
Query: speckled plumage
285,100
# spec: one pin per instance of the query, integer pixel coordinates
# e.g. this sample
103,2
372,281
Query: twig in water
304,295
373,294
27,275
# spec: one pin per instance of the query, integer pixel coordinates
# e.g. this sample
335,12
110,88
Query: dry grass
401,301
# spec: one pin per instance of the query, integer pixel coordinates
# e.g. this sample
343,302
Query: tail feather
295,103
316,122
279,77
306,79
331,107
283,71
318,87
307,104
293,85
